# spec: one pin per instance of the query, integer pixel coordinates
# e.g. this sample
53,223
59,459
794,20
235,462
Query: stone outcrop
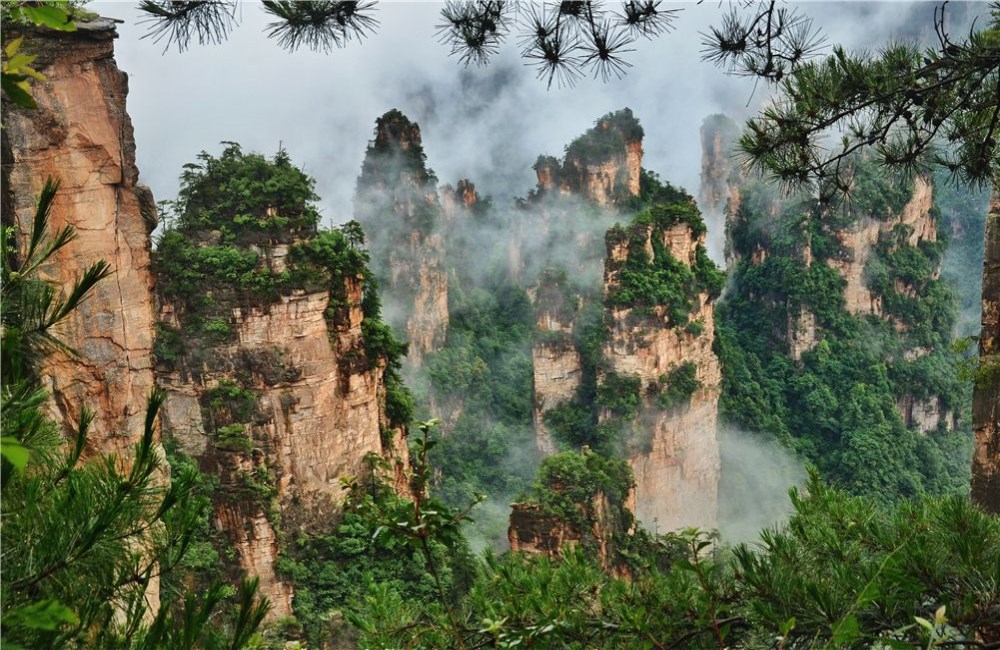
859,239
398,206
556,364
281,412
925,415
674,452
721,177
582,501
81,135
534,531
986,399
603,165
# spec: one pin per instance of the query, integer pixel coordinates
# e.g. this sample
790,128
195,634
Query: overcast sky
487,124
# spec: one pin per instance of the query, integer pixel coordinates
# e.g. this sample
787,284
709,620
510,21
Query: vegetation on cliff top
233,215
87,535
606,139
660,280
839,405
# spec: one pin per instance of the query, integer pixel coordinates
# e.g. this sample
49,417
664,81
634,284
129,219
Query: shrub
677,386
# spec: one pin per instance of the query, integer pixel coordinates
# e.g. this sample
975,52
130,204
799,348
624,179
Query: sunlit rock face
674,451
311,408
986,400
601,168
398,206
81,135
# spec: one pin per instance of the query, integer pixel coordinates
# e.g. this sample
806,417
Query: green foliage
230,212
664,216
677,386
905,277
653,191
843,572
17,72
871,196
891,105
246,194
387,161
328,259
839,404
485,369
645,282
573,423
332,569
568,483
228,403
200,564
399,404
203,279
84,538
619,395
606,139
233,437
662,281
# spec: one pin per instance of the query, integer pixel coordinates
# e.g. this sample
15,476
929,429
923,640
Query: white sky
487,124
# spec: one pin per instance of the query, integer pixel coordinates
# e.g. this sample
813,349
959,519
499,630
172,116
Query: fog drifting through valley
485,124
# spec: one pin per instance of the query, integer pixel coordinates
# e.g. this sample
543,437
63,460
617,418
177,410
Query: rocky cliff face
398,206
603,165
556,363
891,230
282,382
721,177
582,500
986,401
859,239
587,365
573,203
535,531
81,135
674,451
280,413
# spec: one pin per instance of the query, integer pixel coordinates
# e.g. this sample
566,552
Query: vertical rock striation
557,366
81,135
604,165
397,205
667,348
606,375
986,400
281,380
721,178
280,413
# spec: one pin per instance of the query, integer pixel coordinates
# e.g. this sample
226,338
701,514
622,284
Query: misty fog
485,124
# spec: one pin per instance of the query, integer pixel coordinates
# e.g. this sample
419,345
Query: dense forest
458,422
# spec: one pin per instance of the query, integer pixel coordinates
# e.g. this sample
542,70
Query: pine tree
84,539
